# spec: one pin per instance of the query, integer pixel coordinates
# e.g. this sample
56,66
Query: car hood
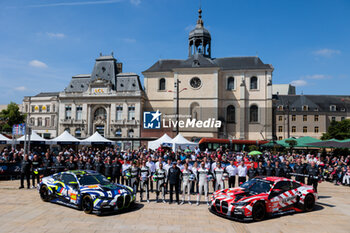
233,195
114,189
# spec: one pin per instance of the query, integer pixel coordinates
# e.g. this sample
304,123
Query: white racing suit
202,183
186,184
145,173
161,176
218,175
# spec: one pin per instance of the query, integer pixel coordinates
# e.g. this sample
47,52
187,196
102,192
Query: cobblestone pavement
23,211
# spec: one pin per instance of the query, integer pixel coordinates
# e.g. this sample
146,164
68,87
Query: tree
10,116
338,129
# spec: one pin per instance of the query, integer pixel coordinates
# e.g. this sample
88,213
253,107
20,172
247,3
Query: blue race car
86,190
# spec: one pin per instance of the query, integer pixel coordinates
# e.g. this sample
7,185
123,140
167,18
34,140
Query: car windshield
257,186
93,179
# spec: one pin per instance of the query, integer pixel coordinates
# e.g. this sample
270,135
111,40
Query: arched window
194,108
231,114
162,84
231,83
78,133
100,113
254,113
131,133
253,83
118,133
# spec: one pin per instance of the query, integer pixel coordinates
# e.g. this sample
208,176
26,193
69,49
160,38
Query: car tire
309,202
259,211
44,193
87,204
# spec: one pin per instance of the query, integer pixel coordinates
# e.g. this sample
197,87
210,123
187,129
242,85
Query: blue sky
45,42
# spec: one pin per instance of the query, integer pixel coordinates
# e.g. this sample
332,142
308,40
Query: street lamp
176,85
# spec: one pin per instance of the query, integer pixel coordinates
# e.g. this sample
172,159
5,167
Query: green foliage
10,116
253,147
338,129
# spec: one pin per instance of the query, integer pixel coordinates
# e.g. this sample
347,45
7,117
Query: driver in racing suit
161,174
134,171
218,176
186,183
145,173
202,182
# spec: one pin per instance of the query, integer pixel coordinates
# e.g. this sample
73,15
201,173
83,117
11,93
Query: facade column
89,121
108,120
269,111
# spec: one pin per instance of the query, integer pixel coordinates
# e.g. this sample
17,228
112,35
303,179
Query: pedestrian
26,165
242,173
232,172
174,181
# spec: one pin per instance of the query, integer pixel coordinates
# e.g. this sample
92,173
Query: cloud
37,64
55,35
80,3
190,27
129,40
20,88
135,2
298,83
326,52
317,76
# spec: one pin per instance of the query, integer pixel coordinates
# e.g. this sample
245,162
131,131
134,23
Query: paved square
23,211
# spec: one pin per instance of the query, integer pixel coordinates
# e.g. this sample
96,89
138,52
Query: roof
200,61
283,89
47,94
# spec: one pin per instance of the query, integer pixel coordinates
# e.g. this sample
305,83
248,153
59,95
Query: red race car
262,196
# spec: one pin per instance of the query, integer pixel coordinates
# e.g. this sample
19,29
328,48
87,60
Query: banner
19,129
10,169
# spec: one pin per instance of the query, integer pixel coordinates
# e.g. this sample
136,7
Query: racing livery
262,196
86,190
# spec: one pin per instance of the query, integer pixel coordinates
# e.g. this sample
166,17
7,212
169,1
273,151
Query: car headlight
240,204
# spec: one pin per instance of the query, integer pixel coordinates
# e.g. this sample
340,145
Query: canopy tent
300,142
4,140
333,143
180,142
96,139
154,145
65,139
34,137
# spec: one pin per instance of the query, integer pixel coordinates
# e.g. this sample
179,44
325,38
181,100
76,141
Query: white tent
154,145
34,137
180,141
4,140
65,138
96,139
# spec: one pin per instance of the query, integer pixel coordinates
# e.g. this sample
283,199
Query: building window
32,121
294,117
280,129
334,119
316,109
40,121
294,129
231,83
131,112
294,109
280,118
305,108
316,129
78,133
118,133
47,121
280,107
131,133
280,138
119,112
305,118
305,129
162,84
68,114
78,113
333,108
54,108
47,108
231,114
100,113
52,120
342,109
253,83
33,108
26,108
342,118
40,108
254,113
316,118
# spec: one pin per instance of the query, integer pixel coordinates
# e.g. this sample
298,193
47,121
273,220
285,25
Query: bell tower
199,39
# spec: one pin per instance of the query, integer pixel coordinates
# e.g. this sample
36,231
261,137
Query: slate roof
47,94
320,102
198,60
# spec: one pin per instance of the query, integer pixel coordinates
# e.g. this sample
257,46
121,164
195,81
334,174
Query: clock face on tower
195,82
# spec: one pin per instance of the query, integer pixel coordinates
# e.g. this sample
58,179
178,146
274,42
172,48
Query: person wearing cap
173,180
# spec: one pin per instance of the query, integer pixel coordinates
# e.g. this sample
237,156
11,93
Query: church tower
199,40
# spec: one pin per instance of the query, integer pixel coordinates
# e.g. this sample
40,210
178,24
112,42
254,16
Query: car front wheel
87,204
309,202
259,211
44,193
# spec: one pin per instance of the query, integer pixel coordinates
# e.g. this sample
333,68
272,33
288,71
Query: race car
86,190
262,196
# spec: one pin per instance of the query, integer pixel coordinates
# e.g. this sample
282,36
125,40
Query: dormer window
342,109
316,109
280,107
333,108
294,109
305,108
